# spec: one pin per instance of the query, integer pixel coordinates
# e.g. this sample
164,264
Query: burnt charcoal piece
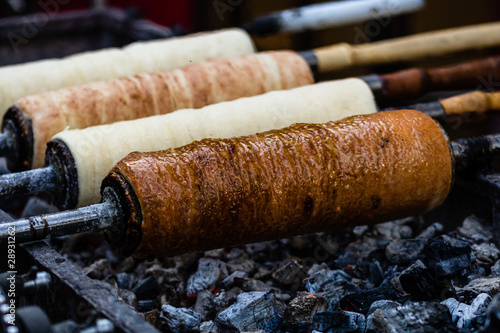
265,251
339,321
147,288
490,286
209,273
123,280
345,259
395,230
486,254
447,255
179,320
431,231
475,230
321,278
495,269
361,301
422,284
208,327
468,316
376,276
205,305
290,274
146,305
300,311
98,270
412,317
251,285
36,206
493,316
382,305
252,311
240,264
229,281
404,251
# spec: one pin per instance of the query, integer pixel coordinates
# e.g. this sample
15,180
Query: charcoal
164,275
404,251
265,251
235,252
36,206
492,316
153,317
208,327
474,229
289,274
223,299
240,264
382,305
360,230
361,300
422,283
339,321
124,280
186,262
468,316
205,305
431,231
209,273
252,311
146,305
283,296
127,296
376,275
345,259
395,230
147,288
229,281
447,255
490,286
362,248
495,269
98,270
262,273
179,320
214,254
127,265
170,295
486,253
252,285
476,273
300,311
412,317
320,280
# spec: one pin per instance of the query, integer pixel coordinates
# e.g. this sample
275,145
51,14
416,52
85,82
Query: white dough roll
17,81
96,149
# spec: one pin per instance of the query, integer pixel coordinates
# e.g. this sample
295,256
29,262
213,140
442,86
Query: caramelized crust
305,178
157,93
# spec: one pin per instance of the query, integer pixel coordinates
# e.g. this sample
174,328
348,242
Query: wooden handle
476,101
413,83
424,45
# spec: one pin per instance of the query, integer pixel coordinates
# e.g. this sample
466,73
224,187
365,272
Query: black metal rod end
37,181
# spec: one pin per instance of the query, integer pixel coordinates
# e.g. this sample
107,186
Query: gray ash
396,276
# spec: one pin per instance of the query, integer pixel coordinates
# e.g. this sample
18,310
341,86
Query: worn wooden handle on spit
412,83
419,46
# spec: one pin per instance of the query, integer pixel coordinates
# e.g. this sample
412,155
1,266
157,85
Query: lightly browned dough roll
144,95
301,179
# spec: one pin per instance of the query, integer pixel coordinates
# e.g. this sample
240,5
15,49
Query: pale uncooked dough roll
20,80
96,149
145,95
